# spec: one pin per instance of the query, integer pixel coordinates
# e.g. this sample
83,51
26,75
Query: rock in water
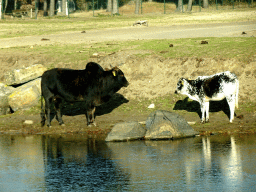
167,125
126,131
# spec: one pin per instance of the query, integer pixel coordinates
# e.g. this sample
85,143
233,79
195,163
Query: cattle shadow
194,106
78,108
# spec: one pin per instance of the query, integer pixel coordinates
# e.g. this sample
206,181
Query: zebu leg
207,111
48,102
90,116
202,105
57,104
42,113
231,99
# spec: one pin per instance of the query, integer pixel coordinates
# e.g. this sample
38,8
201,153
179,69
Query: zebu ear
115,70
181,81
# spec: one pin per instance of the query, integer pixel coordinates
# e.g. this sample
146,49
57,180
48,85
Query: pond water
74,163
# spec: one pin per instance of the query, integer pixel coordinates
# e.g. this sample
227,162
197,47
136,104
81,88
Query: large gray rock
126,131
5,89
20,76
4,105
167,125
36,82
25,96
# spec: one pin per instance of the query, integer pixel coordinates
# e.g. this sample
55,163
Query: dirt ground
151,77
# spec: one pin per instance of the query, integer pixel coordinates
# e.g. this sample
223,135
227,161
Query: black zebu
91,86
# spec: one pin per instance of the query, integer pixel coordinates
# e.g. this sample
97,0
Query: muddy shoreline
244,123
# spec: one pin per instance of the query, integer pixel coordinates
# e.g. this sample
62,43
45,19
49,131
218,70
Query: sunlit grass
240,48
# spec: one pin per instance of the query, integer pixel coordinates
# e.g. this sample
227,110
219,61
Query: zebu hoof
91,124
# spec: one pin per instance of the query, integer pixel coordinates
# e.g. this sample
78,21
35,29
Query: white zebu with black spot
211,88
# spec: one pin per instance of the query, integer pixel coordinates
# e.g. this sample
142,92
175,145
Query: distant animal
204,42
91,86
211,88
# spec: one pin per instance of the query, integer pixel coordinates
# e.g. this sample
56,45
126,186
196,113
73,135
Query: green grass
223,47
239,48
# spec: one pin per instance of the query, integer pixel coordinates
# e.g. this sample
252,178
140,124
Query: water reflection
21,163
81,165
74,163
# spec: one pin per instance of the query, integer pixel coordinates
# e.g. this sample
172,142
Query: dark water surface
73,163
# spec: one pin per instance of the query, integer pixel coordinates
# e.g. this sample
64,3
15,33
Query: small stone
151,106
28,122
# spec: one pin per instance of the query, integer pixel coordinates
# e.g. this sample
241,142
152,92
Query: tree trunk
179,7
36,7
109,6
6,3
64,7
205,4
1,9
52,7
115,7
189,5
45,8
15,4
137,6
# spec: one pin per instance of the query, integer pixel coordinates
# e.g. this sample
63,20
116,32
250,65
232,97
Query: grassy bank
239,48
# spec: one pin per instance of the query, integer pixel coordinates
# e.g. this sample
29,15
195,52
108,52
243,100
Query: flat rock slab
23,75
126,131
167,125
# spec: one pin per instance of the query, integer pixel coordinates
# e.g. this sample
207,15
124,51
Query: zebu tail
237,91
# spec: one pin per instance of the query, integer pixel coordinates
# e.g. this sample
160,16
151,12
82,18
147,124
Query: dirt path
132,33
